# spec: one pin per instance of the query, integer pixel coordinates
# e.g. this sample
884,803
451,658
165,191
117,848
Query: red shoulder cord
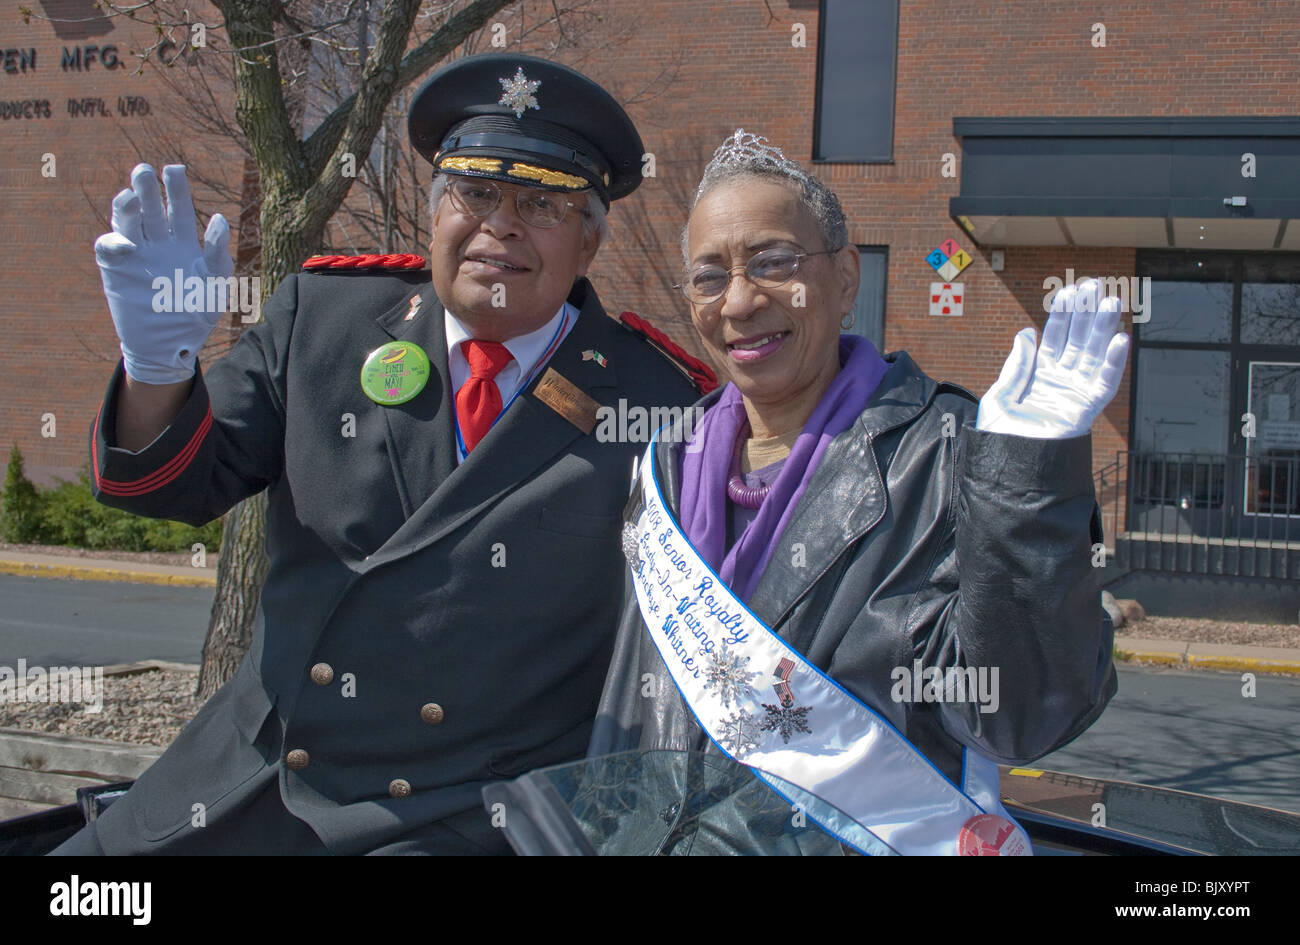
368,261
701,374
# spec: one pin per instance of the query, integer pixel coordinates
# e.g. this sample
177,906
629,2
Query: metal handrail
1204,513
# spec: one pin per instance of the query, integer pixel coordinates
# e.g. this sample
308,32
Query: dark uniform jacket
459,620
964,550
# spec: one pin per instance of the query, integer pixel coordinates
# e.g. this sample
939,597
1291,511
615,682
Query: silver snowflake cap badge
518,93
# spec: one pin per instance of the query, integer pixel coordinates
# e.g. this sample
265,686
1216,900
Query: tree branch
379,81
323,144
259,98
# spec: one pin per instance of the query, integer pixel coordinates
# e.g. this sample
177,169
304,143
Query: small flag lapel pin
415,307
591,354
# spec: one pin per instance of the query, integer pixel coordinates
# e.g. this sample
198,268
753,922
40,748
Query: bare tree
302,177
321,91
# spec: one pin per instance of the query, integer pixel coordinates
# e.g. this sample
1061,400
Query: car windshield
669,803
680,803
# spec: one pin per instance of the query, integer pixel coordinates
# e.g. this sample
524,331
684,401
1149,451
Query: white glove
159,347
1059,393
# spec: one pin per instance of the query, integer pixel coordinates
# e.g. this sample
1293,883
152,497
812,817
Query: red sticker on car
991,835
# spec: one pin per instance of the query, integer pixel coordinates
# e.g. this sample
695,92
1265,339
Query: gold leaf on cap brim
547,177
470,164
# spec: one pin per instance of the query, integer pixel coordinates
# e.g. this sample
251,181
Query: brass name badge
568,400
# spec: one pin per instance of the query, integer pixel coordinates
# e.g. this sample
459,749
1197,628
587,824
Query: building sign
75,59
72,60
945,298
948,260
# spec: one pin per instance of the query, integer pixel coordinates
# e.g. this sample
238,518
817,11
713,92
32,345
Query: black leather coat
971,549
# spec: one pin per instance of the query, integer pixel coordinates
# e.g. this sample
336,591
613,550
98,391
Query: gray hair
745,155
593,219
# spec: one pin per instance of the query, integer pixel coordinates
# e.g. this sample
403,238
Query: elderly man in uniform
443,525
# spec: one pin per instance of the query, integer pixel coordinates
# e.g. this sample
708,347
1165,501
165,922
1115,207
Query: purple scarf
703,513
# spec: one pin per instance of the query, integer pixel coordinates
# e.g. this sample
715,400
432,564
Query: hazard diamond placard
948,260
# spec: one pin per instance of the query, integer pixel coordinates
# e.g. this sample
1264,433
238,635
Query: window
869,306
1270,301
1184,403
856,62
1216,396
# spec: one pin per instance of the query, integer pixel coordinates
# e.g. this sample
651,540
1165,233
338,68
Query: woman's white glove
1059,392
148,242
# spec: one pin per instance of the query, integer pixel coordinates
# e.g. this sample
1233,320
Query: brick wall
739,69
691,73
59,346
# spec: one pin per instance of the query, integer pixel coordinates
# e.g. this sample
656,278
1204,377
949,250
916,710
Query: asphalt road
1193,731
1196,731
48,621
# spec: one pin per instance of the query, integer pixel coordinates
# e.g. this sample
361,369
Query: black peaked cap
525,120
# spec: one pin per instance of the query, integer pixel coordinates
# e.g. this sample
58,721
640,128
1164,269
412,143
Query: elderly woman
864,584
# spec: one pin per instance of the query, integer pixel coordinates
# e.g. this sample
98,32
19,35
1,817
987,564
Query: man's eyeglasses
767,270
477,197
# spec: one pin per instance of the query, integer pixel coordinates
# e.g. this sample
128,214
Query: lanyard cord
523,384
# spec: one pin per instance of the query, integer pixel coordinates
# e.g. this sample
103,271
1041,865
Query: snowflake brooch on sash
631,548
518,93
727,672
741,733
786,720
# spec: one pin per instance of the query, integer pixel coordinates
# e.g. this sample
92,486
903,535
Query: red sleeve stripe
161,476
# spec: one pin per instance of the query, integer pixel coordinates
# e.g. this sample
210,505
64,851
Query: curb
1236,659
144,666
87,573
39,770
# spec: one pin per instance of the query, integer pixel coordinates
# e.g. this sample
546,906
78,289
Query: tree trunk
241,570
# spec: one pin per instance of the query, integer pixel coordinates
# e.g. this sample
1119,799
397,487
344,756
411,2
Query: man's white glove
146,243
1059,392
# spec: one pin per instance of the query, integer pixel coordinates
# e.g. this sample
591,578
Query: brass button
432,713
297,759
399,788
322,674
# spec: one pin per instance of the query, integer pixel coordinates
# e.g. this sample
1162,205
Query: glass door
1272,464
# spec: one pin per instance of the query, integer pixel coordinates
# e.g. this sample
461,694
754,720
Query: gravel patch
147,708
1195,630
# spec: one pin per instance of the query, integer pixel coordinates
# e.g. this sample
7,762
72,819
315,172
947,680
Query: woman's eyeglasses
767,270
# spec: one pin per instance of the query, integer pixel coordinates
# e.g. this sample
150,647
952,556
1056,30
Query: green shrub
20,505
69,515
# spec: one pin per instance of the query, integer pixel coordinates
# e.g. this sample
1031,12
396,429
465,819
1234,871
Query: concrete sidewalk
1173,653
1235,658
27,564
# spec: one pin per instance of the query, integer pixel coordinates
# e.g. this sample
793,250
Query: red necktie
478,402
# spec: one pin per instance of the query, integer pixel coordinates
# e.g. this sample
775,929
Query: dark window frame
882,250
818,157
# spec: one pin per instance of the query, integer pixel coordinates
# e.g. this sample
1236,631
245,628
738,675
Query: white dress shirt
526,350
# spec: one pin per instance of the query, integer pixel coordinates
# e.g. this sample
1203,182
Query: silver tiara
745,148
